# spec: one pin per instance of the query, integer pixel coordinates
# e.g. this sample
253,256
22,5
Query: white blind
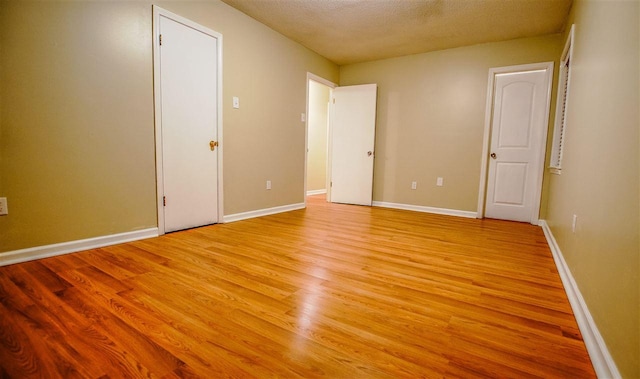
560,126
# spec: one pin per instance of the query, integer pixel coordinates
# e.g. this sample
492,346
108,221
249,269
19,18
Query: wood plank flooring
332,291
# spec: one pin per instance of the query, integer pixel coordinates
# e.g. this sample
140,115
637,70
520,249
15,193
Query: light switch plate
236,102
3,206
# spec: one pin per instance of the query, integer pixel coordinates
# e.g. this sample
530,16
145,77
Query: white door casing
352,144
514,152
187,84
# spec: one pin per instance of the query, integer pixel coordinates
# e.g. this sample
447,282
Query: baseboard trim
46,251
601,359
316,192
263,212
420,208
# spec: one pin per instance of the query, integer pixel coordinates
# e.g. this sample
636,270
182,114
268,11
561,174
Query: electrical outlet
268,184
574,223
439,182
414,185
3,206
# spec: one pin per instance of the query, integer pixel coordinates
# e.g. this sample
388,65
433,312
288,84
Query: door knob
213,144
494,156
369,153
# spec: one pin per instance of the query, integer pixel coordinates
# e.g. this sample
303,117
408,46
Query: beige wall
431,110
77,129
600,180
317,155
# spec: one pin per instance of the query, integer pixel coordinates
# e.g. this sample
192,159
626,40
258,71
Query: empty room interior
186,189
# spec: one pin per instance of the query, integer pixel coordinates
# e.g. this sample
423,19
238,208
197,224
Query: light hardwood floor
332,291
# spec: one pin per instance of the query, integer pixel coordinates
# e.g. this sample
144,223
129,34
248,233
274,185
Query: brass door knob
213,144
493,155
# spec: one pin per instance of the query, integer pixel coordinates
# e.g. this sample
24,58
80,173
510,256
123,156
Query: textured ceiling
351,31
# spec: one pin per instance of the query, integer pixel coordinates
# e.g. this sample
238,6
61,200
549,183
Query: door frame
486,141
331,86
157,105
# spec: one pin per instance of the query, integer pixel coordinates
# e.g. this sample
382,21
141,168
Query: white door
352,141
189,124
518,130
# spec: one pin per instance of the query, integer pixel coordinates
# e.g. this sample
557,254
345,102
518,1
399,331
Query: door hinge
164,201
334,100
330,184
160,39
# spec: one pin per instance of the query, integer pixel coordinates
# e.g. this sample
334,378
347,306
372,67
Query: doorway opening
346,169
319,92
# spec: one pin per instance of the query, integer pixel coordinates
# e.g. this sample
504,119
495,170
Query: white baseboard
316,192
263,212
603,363
420,208
24,255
